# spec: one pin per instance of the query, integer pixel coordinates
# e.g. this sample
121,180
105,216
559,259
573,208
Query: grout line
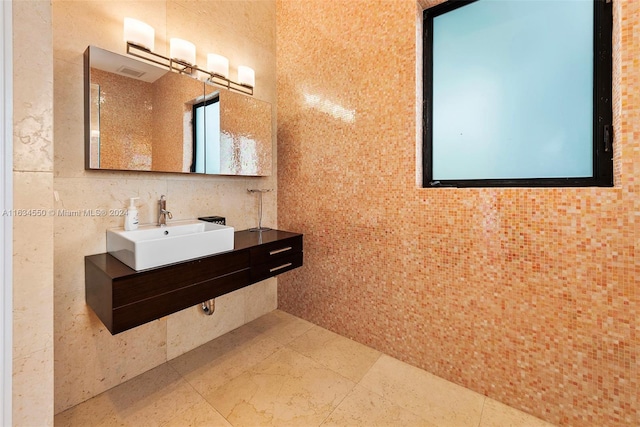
198,393
484,402
339,403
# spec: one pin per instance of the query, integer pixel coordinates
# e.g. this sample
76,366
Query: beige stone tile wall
88,360
32,391
529,296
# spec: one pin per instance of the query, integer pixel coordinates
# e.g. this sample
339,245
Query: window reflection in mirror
206,136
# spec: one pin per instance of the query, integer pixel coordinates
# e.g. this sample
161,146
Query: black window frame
602,111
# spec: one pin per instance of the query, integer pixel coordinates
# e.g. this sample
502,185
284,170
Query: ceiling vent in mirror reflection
141,117
128,71
113,63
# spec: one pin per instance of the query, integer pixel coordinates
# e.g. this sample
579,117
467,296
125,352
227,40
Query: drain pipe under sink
208,307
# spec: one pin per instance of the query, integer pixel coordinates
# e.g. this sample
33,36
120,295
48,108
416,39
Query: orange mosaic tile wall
529,296
125,126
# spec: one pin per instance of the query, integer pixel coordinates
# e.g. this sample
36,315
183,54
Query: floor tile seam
380,356
233,409
389,399
204,399
433,377
337,338
325,366
351,390
484,402
355,384
76,408
278,346
189,408
112,413
525,413
385,398
106,394
235,347
338,405
283,341
295,318
393,402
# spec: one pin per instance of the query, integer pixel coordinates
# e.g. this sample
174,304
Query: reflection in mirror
94,131
244,124
206,136
141,117
172,106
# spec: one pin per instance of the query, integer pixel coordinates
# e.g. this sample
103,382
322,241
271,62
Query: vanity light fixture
246,76
182,58
139,33
219,65
182,51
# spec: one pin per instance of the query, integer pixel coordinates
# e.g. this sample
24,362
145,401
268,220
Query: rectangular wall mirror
141,117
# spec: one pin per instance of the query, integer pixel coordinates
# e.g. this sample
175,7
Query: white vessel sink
152,246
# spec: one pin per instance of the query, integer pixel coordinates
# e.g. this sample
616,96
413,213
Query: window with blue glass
517,93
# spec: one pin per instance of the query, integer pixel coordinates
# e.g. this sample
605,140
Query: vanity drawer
276,266
131,315
168,279
281,249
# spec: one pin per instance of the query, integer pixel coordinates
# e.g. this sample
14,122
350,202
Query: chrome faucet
163,213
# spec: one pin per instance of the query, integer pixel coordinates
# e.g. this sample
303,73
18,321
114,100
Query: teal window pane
513,90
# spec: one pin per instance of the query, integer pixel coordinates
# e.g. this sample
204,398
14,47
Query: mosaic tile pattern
529,296
125,125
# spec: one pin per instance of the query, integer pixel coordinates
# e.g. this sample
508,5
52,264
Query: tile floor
280,370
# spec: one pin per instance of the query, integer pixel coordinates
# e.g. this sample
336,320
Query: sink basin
152,246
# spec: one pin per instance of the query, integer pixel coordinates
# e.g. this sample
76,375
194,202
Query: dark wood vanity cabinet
124,298
276,257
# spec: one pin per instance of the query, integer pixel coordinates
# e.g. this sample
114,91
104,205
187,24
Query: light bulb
139,33
218,64
182,50
246,76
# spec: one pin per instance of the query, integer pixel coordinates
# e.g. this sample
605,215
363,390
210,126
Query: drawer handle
271,270
278,251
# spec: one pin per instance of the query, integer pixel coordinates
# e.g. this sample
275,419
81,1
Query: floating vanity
124,298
